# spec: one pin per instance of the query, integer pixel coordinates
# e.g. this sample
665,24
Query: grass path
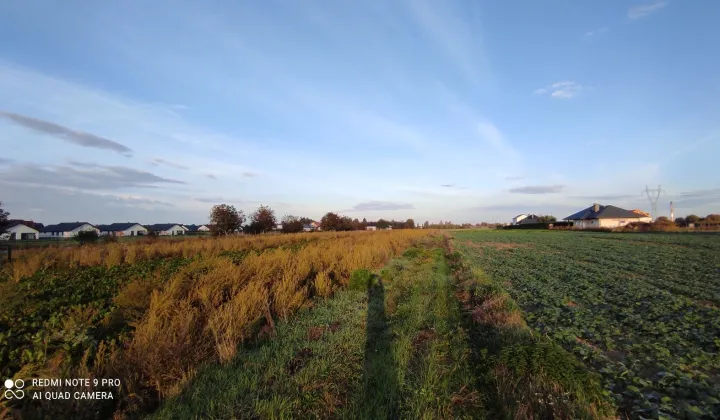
427,337
397,350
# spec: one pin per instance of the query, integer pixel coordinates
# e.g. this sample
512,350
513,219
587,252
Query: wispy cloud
597,32
159,161
83,175
210,176
492,135
514,178
73,136
211,199
538,189
447,185
641,11
461,42
607,197
381,205
561,90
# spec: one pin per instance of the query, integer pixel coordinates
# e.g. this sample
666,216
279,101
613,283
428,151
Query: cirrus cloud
381,205
80,138
538,189
561,90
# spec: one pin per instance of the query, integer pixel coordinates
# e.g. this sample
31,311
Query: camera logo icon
14,389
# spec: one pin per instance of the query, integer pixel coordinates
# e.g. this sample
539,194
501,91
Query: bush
86,236
109,239
361,279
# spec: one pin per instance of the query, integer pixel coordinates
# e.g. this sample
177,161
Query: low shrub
361,279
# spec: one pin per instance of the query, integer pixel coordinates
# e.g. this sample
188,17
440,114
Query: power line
653,195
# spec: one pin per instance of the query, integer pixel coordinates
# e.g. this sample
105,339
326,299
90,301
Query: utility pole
653,195
672,212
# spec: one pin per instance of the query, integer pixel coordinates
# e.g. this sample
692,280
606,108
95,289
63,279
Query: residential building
370,227
66,230
167,229
599,216
123,229
308,228
190,228
529,219
204,228
516,220
18,231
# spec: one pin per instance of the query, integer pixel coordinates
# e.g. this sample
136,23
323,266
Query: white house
66,230
516,220
19,231
370,227
167,229
123,229
203,228
599,216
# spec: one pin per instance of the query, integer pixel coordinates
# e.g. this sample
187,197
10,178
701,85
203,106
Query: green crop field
642,310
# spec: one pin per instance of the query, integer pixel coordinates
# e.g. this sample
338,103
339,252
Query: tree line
225,219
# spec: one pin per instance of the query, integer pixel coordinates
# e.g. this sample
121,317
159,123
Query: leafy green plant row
640,309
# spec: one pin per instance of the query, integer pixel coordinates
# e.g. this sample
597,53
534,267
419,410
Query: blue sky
454,110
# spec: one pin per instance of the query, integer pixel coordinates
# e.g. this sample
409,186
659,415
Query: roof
12,224
530,219
116,227
519,215
159,227
605,212
64,227
644,214
191,228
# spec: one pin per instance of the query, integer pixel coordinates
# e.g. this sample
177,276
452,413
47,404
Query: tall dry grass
28,261
205,311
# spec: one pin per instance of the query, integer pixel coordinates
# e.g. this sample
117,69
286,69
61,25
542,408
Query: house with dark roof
599,216
529,219
516,220
167,229
123,229
66,230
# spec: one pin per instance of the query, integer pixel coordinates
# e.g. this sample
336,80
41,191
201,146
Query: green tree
426,225
3,217
263,220
680,222
357,225
382,224
330,221
225,219
346,223
692,218
712,218
409,224
547,219
291,224
306,220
